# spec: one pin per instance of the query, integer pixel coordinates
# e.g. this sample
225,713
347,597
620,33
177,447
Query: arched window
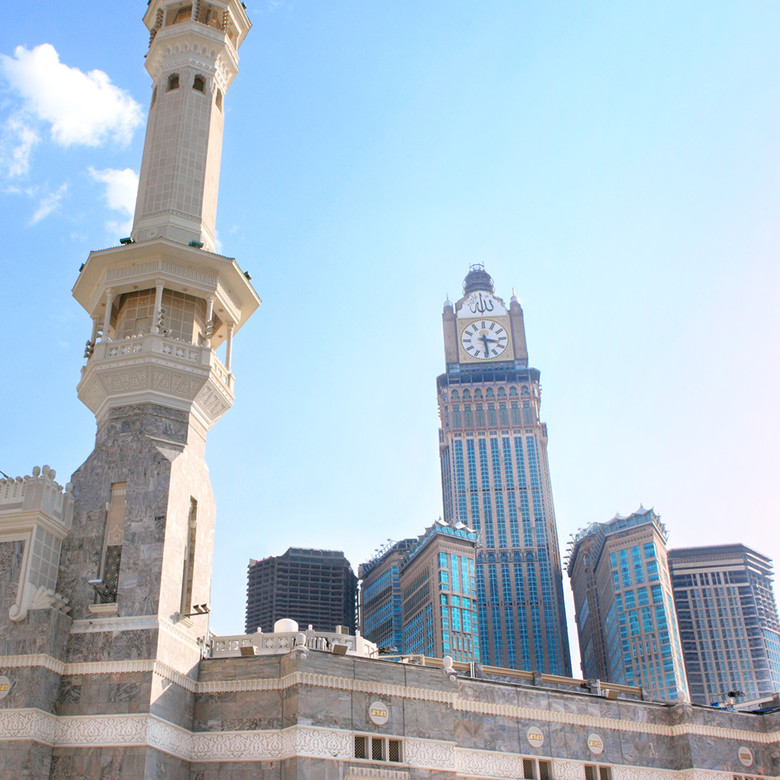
524,390
478,393
455,395
173,81
501,392
219,99
467,395
181,15
199,83
489,393
513,391
456,416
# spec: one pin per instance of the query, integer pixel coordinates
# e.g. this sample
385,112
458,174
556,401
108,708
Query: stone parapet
149,368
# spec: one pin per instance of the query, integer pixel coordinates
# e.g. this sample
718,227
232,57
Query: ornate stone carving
28,724
238,746
567,770
640,773
484,763
430,754
316,742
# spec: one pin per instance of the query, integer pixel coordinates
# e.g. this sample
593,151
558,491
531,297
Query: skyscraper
624,607
438,591
728,621
381,614
419,595
312,587
496,478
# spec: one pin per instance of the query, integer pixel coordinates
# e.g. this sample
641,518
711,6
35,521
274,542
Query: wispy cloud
48,202
121,187
16,144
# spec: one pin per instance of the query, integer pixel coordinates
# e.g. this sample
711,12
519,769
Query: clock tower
496,479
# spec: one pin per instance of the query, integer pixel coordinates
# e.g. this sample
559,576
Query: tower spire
192,59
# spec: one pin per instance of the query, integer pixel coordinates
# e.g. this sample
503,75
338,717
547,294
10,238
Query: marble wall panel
112,645
24,760
239,770
172,702
30,686
245,711
428,720
98,763
162,766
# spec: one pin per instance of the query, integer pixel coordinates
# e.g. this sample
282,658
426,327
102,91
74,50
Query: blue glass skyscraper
729,628
496,479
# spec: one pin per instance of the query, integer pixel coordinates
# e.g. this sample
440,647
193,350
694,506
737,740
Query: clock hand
485,340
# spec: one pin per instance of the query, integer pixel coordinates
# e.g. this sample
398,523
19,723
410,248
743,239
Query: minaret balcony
152,368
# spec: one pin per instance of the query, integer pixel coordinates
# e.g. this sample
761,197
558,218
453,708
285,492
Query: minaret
192,59
496,478
136,564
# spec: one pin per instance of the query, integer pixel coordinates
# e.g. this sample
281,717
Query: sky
615,164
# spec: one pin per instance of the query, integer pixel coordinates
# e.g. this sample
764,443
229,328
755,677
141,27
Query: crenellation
37,492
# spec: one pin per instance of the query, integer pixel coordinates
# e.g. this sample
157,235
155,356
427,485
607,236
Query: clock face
484,339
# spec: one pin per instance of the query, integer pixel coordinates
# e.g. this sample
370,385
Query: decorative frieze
430,754
383,689
93,731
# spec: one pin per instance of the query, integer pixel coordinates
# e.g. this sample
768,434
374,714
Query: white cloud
120,193
16,143
48,203
121,188
81,108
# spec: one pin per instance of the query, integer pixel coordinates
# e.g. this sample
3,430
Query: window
537,769
173,81
218,99
112,544
181,14
594,772
374,748
187,577
199,83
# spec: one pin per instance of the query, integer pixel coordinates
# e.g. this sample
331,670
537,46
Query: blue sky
617,164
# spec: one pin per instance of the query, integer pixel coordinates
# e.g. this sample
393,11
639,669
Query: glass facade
381,613
495,479
420,595
728,622
619,571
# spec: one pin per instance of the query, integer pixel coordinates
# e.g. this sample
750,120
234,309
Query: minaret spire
192,59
